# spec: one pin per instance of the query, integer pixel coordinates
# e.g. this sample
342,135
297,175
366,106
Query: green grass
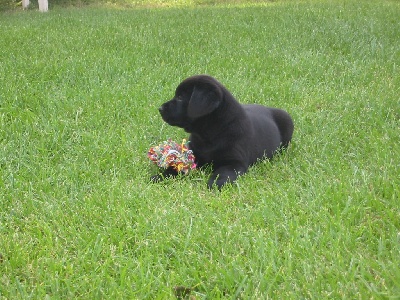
79,92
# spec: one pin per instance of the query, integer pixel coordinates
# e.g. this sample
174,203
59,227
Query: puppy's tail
285,126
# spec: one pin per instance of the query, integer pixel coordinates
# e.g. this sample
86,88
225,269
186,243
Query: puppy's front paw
225,175
170,172
218,180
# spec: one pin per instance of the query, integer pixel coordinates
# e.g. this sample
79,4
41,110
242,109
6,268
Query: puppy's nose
160,109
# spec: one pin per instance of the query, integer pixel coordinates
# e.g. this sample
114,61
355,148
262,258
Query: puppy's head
196,97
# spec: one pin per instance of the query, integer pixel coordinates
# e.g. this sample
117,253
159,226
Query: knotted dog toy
171,154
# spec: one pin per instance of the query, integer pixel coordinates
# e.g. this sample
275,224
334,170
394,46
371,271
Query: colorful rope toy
171,154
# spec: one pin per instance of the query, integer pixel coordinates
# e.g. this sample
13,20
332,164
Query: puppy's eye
179,99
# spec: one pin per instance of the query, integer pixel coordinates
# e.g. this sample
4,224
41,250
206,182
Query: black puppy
223,132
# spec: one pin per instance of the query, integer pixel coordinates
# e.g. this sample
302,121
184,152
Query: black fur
223,132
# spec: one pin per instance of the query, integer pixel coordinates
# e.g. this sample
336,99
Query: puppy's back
285,125
272,127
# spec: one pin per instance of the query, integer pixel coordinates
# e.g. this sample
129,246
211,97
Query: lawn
79,92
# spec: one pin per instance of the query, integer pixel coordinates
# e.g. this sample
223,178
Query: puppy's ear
202,102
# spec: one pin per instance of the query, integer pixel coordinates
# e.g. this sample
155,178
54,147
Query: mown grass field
79,92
